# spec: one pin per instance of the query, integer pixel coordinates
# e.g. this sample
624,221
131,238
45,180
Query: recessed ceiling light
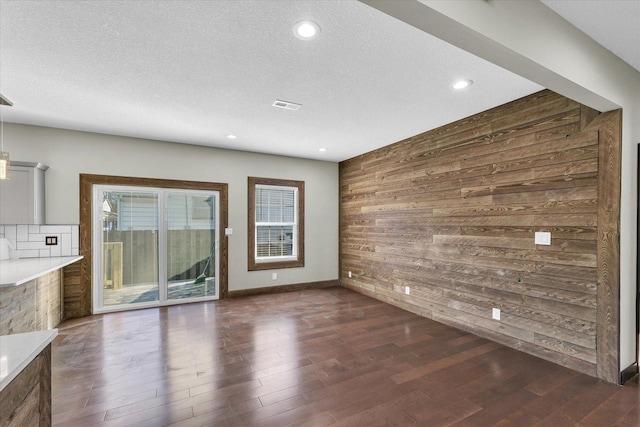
306,30
322,150
461,84
231,136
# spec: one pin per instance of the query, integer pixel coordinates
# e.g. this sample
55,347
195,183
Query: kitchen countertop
15,272
18,350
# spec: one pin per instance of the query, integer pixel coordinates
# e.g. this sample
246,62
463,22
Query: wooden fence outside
188,251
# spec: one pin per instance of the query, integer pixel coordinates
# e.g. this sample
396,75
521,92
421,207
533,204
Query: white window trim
294,225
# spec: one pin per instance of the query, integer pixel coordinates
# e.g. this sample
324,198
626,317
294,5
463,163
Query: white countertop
18,350
15,272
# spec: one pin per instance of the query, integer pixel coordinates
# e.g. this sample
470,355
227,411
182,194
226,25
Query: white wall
531,40
70,153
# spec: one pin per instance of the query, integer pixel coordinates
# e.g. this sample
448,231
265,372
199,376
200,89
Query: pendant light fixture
4,155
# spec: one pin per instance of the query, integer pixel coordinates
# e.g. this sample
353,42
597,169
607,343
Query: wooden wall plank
26,400
609,192
32,306
451,214
73,291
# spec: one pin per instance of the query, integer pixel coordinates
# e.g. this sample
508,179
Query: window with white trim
276,223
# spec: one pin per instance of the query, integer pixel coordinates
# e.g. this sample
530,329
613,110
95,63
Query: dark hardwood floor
312,358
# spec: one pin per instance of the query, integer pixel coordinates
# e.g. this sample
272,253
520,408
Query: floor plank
311,358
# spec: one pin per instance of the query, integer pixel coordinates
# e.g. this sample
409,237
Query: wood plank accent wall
451,214
33,306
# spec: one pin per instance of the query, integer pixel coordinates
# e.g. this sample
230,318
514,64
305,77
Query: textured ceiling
196,71
615,24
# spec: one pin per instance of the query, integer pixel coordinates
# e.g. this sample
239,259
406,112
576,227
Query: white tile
2,229
55,229
67,237
30,245
34,229
75,251
28,254
10,233
36,238
56,250
45,253
75,236
65,243
22,233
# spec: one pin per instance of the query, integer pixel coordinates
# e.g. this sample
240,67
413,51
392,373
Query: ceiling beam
526,38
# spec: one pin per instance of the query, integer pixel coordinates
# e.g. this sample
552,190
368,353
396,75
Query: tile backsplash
29,241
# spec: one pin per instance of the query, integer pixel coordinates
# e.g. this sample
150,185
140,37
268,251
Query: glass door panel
129,249
154,246
191,244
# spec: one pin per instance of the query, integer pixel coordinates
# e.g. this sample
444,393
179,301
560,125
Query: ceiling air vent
286,105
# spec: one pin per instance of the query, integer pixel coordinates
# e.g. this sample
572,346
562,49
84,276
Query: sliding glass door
154,246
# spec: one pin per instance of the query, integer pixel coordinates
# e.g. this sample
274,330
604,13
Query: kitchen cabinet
34,291
25,379
22,197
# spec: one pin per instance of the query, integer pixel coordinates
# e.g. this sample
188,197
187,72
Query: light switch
543,238
228,231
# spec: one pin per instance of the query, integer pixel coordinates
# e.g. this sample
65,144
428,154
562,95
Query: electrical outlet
495,313
51,240
543,238
274,276
407,290
349,275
